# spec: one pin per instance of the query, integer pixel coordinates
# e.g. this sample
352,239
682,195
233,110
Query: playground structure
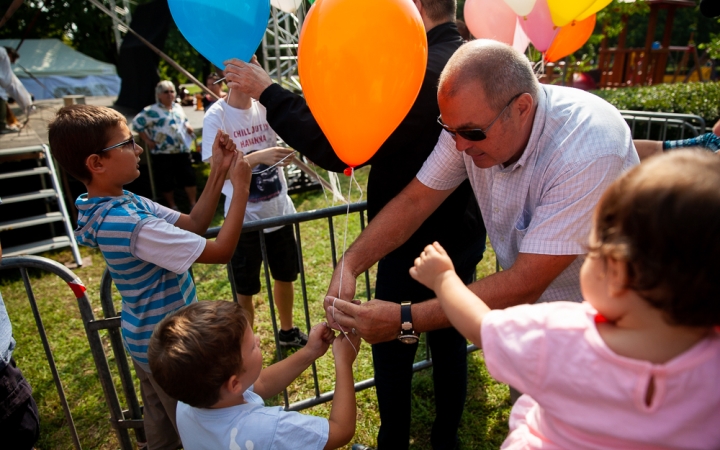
620,66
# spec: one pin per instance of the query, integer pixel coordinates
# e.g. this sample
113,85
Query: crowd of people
603,320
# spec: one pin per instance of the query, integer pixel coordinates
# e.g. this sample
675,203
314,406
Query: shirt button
502,239
496,209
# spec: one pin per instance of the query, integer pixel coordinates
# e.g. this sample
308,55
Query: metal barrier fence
122,420
663,126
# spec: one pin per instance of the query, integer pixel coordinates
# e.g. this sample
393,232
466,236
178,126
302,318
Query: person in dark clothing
456,224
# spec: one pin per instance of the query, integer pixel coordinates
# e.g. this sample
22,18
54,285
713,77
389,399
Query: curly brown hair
663,218
195,350
78,131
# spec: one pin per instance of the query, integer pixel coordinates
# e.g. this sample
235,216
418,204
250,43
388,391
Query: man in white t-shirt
538,158
244,119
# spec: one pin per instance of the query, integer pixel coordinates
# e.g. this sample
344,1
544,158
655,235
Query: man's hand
249,79
270,156
240,173
319,340
432,264
344,348
375,321
346,292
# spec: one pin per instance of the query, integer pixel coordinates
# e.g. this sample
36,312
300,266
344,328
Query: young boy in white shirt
245,120
206,356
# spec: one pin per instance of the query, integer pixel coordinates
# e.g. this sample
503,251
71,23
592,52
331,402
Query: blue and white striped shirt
149,292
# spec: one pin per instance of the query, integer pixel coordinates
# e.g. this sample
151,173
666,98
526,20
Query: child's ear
616,276
94,163
234,386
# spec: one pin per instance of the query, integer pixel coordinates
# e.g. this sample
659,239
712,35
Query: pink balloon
491,19
539,27
520,41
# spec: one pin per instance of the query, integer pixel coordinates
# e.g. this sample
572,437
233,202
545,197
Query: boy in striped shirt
148,248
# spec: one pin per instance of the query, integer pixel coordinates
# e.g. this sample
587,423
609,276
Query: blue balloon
222,29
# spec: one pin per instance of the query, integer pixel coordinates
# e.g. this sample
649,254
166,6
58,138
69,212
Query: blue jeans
393,360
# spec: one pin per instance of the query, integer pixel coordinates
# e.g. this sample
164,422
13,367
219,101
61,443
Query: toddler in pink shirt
637,365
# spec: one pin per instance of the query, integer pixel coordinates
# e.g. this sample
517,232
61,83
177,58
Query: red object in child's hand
348,171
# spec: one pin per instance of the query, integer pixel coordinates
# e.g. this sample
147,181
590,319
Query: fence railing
127,417
659,126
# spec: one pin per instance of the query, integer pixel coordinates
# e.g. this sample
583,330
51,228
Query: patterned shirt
543,203
149,291
709,141
167,128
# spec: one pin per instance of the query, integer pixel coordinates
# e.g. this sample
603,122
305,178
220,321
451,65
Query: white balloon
288,6
521,7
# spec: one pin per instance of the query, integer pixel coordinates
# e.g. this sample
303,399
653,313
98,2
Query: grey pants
158,413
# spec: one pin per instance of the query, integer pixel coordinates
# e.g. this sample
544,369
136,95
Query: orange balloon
570,38
361,66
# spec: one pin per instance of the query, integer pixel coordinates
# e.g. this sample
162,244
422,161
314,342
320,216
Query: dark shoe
292,338
362,447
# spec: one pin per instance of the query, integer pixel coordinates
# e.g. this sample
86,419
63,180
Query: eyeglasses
121,144
476,134
168,92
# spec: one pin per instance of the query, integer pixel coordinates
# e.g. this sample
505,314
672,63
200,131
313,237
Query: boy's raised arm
222,248
344,410
202,214
275,378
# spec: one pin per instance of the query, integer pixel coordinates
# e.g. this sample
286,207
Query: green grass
484,424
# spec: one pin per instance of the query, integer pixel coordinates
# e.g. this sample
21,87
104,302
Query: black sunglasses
168,92
476,134
121,144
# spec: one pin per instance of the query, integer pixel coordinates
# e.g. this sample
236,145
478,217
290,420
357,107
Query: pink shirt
581,395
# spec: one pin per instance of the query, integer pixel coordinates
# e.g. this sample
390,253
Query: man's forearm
394,225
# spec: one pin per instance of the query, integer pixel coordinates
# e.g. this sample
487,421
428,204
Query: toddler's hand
241,173
343,350
431,264
319,340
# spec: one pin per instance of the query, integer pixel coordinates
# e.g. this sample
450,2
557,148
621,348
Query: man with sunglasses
456,224
538,157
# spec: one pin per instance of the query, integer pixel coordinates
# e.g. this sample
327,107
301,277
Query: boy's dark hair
663,218
195,350
440,11
78,131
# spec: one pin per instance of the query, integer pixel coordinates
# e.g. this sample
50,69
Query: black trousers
393,361
19,419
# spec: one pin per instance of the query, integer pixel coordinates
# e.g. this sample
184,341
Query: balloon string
342,262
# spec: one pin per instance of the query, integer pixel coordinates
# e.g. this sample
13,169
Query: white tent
61,70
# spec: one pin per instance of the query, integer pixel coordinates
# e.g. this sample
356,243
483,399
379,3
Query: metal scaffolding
280,47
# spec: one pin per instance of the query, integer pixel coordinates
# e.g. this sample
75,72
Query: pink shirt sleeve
514,344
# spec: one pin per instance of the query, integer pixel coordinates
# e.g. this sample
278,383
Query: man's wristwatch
407,334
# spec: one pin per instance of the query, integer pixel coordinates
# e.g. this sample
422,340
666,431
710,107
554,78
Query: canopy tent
62,70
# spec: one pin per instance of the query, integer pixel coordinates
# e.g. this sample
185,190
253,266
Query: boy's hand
223,151
431,265
240,173
343,350
319,340
271,156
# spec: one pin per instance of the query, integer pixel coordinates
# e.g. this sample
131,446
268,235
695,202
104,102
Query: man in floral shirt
166,132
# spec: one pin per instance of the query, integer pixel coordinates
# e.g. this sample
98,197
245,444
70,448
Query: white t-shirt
251,132
250,426
151,243
543,203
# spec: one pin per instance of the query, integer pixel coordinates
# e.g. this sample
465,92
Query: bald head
501,71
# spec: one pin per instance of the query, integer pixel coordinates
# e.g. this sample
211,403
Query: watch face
408,338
